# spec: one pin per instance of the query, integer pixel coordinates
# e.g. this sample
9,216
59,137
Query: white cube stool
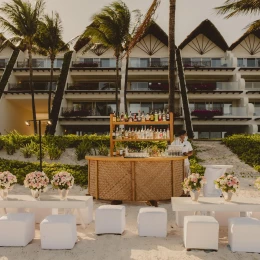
58,232
152,222
222,217
17,229
243,234
200,232
110,219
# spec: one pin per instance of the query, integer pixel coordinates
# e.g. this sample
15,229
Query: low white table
216,204
52,201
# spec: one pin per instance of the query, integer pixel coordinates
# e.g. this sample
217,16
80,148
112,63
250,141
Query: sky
76,15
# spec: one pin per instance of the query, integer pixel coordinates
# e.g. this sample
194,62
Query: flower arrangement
63,181
195,181
7,180
257,183
227,183
36,181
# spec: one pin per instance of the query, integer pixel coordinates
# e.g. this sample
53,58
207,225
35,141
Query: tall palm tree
110,27
236,7
49,43
172,58
21,19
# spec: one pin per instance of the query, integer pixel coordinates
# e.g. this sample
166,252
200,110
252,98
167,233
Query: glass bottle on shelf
164,134
122,117
117,133
114,134
118,117
130,118
142,133
126,117
168,133
155,116
160,134
126,134
114,117
143,117
163,116
160,116
154,133
114,151
123,133
167,115
135,118
151,133
157,134
151,116
147,117
139,118
120,134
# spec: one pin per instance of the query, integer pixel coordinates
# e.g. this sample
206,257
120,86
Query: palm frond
254,26
236,7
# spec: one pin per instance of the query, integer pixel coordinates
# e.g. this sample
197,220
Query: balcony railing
225,86
232,111
152,64
257,111
89,87
38,86
38,64
204,64
150,87
82,112
252,85
94,64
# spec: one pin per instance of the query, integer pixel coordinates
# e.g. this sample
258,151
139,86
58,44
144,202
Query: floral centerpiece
7,180
193,184
257,183
63,181
228,184
37,182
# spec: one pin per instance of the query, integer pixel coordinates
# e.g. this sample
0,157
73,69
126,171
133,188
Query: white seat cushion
200,232
152,222
110,219
58,232
17,229
243,234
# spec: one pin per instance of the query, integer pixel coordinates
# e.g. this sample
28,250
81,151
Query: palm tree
172,59
110,27
49,43
22,21
236,7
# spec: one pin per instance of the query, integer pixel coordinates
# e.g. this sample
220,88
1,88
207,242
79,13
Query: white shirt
186,147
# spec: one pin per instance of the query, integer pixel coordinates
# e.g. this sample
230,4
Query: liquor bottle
145,133
155,116
118,117
135,118
143,117
114,134
168,133
126,117
160,116
160,134
163,116
139,118
151,116
151,133
122,117
130,118
164,134
126,134
154,134
133,134
142,133
114,151
136,133
120,134
117,133
139,134
123,133
167,115
147,117
114,116
157,134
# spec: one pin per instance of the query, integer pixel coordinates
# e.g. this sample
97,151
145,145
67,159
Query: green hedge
246,147
20,169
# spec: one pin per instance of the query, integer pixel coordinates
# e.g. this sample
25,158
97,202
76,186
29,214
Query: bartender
187,150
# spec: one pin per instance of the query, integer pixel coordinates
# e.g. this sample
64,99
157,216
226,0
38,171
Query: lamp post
40,134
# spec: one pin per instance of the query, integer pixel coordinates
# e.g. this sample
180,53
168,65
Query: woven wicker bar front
135,179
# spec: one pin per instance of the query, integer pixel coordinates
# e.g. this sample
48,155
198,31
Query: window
251,62
147,107
139,86
104,108
59,63
206,62
216,62
186,62
144,62
134,62
240,62
155,62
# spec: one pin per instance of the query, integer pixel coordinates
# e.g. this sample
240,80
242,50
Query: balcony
207,64
40,64
253,87
85,112
150,65
257,111
151,86
215,87
100,64
24,87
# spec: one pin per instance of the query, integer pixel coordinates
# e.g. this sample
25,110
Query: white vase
227,195
194,194
4,193
36,194
63,194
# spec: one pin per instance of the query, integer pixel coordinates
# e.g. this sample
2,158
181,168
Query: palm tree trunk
117,82
50,90
126,79
32,89
171,44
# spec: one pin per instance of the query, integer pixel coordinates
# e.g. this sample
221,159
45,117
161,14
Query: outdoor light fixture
49,122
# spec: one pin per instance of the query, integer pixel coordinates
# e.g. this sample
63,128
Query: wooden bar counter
135,179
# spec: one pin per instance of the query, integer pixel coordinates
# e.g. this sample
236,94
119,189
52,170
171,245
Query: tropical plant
236,7
22,22
49,43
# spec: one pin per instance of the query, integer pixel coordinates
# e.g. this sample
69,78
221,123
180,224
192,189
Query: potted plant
193,184
37,182
63,181
228,184
7,180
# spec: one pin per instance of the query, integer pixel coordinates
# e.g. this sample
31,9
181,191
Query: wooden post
111,135
96,179
133,180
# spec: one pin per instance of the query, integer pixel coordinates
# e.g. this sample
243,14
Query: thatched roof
80,43
155,30
208,29
234,45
